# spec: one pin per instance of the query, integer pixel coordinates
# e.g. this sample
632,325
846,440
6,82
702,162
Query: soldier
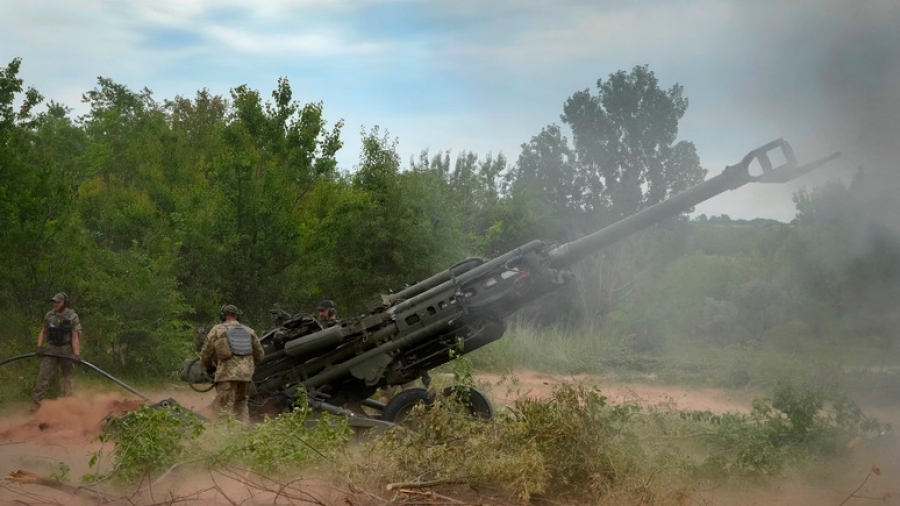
231,352
60,336
326,314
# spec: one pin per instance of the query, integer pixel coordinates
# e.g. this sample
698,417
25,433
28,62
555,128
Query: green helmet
228,309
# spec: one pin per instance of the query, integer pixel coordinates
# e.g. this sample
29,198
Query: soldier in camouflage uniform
233,351
60,335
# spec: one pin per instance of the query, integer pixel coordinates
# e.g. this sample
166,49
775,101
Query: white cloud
313,43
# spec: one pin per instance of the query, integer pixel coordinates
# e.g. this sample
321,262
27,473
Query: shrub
149,441
572,444
146,442
791,426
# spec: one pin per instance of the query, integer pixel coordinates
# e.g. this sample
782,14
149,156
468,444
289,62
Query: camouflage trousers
49,365
231,397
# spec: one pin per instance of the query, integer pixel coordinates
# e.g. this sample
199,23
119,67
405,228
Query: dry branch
423,484
29,478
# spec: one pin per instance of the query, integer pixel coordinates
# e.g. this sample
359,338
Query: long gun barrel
733,177
456,311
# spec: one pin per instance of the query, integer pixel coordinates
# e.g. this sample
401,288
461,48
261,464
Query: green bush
150,440
146,442
588,446
572,444
794,425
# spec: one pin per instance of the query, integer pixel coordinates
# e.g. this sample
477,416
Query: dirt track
63,431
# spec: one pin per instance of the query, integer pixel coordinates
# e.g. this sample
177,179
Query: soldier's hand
39,351
77,358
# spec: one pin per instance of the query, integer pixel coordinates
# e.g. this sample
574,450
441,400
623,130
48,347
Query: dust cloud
828,74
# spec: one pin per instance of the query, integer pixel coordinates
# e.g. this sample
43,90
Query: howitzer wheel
397,409
201,389
207,382
474,401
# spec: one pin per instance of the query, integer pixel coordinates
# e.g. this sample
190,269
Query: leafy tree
845,259
760,306
382,228
547,166
469,189
625,142
197,124
625,158
268,157
39,236
718,321
127,194
134,313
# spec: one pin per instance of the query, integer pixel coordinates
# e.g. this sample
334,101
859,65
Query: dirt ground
59,440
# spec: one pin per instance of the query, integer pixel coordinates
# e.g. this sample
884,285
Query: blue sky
487,76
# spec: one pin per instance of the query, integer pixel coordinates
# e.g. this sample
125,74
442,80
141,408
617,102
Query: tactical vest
239,340
59,330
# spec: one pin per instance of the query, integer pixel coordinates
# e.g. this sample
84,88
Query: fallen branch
430,495
873,470
423,484
28,478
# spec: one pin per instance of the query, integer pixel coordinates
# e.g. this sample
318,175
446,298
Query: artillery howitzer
457,311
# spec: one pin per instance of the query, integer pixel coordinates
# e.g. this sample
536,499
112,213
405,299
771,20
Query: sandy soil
538,385
64,430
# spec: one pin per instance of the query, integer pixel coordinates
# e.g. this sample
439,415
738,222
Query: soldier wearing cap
326,314
232,350
59,343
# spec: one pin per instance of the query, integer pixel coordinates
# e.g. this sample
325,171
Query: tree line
152,214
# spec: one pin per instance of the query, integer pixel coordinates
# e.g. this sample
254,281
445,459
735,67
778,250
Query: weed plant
146,442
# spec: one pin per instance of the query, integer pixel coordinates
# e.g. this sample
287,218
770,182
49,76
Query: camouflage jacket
229,367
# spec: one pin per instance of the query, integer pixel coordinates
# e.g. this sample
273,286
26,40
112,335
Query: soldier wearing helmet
326,314
59,343
231,353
